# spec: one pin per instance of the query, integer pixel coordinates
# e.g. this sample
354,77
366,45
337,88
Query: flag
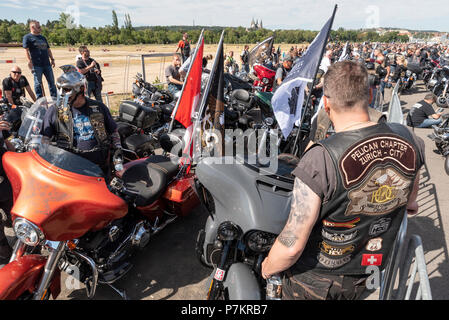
395,109
261,52
288,99
344,55
211,112
190,96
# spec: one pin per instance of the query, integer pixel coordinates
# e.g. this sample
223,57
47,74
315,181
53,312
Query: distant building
255,25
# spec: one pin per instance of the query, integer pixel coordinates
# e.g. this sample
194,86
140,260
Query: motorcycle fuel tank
64,204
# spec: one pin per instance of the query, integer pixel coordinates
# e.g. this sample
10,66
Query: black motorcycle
440,136
143,120
441,87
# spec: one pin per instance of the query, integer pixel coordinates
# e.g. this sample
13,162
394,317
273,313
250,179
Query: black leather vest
64,127
357,227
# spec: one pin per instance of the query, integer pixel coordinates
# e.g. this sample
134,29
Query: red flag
190,97
192,87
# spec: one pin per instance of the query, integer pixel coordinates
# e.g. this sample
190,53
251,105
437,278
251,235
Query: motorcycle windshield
261,52
68,161
33,120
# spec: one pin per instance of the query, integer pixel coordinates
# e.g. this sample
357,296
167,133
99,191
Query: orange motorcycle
67,217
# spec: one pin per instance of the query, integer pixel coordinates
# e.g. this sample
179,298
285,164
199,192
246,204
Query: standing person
173,76
244,58
347,204
91,70
326,61
15,85
282,71
230,64
184,46
40,59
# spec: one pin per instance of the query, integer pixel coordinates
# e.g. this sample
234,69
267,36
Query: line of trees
62,32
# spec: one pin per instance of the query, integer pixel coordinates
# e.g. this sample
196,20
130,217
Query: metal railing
398,263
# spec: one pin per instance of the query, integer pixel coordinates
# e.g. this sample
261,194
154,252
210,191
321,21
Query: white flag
288,99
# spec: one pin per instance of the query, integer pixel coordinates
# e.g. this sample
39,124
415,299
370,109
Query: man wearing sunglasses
15,85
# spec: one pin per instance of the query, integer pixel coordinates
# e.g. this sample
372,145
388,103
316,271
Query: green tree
115,27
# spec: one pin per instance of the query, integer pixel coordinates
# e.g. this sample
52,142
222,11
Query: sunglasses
17,72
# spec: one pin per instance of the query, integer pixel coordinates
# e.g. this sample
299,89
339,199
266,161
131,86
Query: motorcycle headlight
260,241
228,231
27,232
265,80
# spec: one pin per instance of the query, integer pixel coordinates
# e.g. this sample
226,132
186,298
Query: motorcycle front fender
23,274
241,283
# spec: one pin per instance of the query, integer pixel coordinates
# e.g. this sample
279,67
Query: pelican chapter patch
357,162
378,173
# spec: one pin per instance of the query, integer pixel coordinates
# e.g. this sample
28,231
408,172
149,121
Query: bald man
15,85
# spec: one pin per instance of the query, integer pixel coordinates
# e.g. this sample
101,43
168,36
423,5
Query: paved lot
168,269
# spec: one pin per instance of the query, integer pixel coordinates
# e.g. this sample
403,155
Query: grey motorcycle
247,207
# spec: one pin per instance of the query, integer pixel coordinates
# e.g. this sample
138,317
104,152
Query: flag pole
295,148
184,84
207,89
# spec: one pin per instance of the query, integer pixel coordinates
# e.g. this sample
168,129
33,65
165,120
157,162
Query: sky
275,14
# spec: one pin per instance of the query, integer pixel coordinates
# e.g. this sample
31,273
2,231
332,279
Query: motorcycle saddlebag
134,113
181,197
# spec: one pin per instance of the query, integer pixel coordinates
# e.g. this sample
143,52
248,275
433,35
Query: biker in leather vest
71,89
350,194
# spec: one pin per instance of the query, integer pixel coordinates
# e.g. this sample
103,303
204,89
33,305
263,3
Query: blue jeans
428,123
173,88
48,72
94,87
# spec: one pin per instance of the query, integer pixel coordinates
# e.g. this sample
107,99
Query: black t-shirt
90,75
83,132
17,88
172,71
420,112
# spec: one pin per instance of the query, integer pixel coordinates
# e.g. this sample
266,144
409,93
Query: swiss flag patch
372,260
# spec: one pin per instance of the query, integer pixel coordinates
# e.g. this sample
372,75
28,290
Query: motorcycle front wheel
442,101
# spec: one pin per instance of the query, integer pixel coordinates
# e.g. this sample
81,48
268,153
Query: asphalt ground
168,268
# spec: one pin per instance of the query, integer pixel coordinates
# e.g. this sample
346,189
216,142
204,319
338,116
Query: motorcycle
247,209
249,109
60,227
143,120
440,136
265,77
441,88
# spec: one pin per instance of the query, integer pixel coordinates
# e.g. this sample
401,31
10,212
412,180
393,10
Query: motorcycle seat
148,179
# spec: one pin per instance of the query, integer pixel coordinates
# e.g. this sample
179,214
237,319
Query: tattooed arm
292,240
